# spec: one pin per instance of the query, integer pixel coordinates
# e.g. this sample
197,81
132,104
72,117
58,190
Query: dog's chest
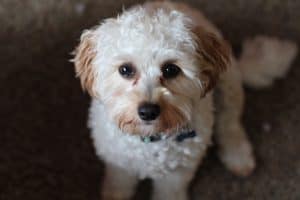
150,159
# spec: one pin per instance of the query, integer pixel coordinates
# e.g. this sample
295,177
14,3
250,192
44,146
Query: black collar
179,138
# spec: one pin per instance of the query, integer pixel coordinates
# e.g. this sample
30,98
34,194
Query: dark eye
127,70
170,70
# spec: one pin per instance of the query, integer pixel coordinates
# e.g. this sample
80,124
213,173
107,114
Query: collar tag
152,138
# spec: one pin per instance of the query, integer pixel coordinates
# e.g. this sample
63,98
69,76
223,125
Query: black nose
148,111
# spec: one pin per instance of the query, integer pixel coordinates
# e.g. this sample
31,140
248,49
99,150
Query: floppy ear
213,55
83,60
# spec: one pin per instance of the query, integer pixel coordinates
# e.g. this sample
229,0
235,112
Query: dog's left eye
127,70
170,70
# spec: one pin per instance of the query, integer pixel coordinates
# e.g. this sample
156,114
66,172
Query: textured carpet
45,148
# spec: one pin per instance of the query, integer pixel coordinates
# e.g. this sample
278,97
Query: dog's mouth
148,123
149,128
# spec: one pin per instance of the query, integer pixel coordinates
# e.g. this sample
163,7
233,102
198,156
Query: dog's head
149,69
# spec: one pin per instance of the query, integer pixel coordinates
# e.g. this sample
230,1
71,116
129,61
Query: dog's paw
239,158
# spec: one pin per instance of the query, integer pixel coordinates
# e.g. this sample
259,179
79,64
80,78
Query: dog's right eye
127,70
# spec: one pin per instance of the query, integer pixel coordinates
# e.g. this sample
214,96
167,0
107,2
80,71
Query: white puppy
150,72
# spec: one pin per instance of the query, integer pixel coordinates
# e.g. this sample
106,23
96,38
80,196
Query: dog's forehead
138,31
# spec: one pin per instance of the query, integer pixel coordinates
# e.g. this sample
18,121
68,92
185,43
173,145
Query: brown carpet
45,148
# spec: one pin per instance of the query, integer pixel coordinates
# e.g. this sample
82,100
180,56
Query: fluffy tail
265,59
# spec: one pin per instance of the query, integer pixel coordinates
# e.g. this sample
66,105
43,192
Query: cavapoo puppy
161,76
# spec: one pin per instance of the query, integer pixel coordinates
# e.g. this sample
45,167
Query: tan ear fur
213,56
84,55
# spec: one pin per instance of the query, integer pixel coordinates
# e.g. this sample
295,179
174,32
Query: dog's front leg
173,187
118,183
235,148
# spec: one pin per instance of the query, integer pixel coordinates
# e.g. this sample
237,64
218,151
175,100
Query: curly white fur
146,37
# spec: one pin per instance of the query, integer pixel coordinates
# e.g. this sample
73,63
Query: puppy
152,73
